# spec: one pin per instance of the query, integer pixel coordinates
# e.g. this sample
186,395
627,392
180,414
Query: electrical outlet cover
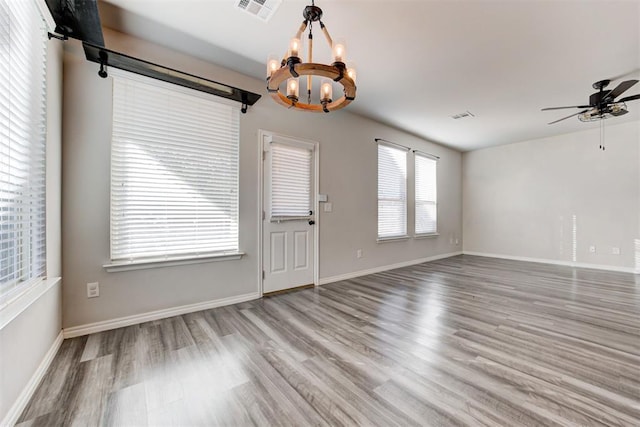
93,290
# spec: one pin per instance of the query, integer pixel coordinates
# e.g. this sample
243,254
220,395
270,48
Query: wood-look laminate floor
461,341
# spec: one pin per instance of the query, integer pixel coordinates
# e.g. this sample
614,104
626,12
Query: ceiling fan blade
568,117
620,89
561,108
630,98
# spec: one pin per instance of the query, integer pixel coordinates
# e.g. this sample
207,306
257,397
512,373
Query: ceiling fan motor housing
598,97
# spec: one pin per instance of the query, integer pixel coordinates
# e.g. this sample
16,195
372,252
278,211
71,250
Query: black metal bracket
291,62
104,60
268,88
63,37
341,68
244,107
76,19
293,99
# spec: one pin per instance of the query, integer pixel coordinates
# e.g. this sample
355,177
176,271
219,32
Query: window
174,173
392,192
290,180
22,145
426,194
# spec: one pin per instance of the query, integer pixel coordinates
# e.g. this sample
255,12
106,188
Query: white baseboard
120,322
556,262
21,402
353,275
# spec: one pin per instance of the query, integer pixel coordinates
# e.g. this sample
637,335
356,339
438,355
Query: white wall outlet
359,253
328,207
93,290
457,241
592,249
615,251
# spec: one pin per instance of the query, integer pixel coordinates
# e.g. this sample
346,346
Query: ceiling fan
602,104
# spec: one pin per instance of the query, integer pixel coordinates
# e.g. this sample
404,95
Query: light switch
328,207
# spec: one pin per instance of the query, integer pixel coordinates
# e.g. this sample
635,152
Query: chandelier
290,68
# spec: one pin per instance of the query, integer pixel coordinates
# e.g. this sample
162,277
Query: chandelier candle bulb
294,47
292,88
326,92
272,65
339,51
351,72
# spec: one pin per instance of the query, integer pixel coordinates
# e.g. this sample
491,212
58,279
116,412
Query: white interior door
288,213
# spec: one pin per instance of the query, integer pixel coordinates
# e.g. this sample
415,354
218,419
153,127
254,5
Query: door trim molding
262,135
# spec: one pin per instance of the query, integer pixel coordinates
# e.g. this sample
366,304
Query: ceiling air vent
263,9
463,115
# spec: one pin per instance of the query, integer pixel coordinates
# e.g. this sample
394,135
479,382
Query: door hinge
264,215
264,155
263,274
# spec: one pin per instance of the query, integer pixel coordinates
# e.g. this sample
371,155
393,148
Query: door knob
311,222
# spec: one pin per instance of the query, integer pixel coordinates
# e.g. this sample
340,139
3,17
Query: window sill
426,235
392,239
14,306
115,267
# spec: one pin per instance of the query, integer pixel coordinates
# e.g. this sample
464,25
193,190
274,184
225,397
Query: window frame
309,149
29,219
167,259
405,151
435,159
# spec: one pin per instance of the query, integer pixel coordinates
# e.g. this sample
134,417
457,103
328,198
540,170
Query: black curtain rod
393,143
109,58
408,148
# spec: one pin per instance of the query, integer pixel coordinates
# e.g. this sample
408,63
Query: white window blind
392,192
22,145
174,172
426,194
290,180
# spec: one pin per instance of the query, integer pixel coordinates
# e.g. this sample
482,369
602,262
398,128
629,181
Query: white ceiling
420,62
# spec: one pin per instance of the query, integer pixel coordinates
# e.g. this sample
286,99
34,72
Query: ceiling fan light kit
290,68
613,110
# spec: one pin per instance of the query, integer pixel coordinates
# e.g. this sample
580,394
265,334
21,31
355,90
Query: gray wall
520,199
347,174
25,341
